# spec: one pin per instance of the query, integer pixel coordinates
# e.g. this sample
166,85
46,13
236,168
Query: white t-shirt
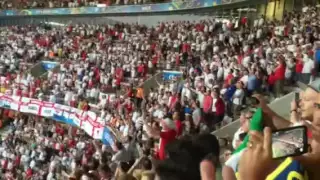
233,161
207,78
308,66
244,79
220,72
236,137
185,92
238,97
214,100
200,98
246,61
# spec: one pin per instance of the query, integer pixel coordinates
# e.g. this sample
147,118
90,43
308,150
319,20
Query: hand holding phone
242,136
255,101
291,141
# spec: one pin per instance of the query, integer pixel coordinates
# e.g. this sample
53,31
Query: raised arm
134,166
271,118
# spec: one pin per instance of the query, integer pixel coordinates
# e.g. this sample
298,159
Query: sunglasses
249,117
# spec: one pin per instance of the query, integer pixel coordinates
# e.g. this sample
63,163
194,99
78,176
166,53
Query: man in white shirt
207,77
244,78
244,127
237,98
308,66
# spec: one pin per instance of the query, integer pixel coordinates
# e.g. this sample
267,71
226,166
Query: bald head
308,98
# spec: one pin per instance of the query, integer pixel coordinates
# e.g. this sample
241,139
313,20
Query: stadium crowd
162,133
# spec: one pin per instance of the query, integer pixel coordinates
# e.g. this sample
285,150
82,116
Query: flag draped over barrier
86,120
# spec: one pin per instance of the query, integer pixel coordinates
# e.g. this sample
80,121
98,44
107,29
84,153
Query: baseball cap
314,86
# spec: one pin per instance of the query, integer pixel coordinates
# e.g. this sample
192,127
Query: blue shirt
252,83
187,110
230,91
317,55
288,169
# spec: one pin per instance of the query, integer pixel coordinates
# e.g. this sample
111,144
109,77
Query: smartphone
291,141
254,101
242,136
297,98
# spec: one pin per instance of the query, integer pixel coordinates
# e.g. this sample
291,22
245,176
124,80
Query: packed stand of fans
33,4
222,64
37,148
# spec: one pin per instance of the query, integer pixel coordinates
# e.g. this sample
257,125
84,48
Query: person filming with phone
260,156
289,162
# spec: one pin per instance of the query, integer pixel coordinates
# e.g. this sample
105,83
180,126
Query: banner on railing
86,120
160,7
48,65
170,75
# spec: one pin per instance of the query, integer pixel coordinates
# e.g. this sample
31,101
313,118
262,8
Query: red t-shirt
129,107
207,103
19,92
220,107
85,107
299,66
141,68
271,79
119,73
173,102
244,20
38,83
5,164
6,112
129,93
17,161
71,143
84,55
73,103
240,58
29,172
155,60
165,138
280,72
228,79
177,60
185,47
118,81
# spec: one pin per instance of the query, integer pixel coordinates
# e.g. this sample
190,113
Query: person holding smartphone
244,128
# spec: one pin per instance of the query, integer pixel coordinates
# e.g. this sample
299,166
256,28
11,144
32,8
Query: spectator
167,135
308,67
244,128
279,77
237,98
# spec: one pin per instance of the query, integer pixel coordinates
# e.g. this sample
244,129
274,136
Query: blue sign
160,7
169,75
107,138
47,65
63,119
5,104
